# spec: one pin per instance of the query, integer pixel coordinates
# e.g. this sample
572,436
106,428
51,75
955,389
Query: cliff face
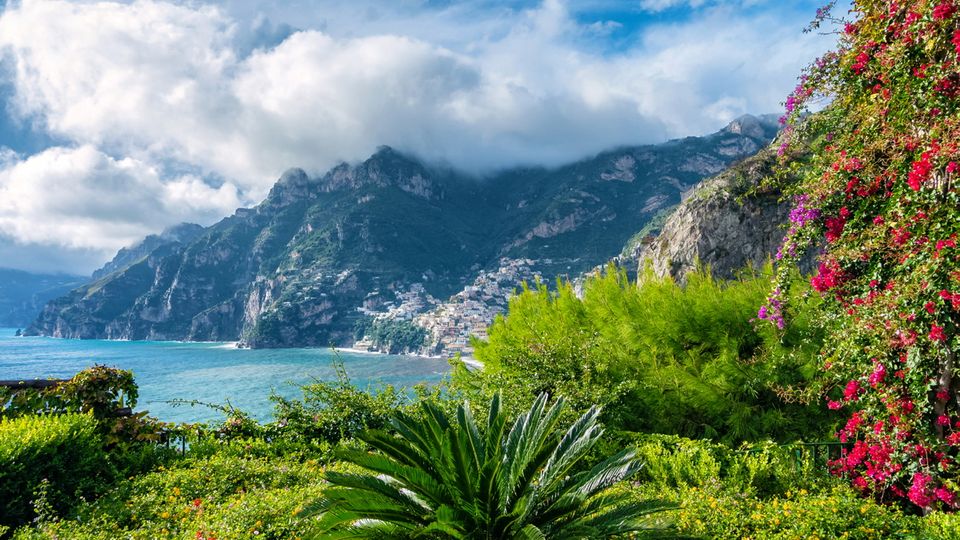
320,253
723,222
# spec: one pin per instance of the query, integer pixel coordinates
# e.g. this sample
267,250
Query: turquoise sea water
209,372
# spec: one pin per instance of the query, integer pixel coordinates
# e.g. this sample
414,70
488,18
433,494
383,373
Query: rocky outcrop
725,222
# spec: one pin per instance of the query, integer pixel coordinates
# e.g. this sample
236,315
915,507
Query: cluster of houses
450,325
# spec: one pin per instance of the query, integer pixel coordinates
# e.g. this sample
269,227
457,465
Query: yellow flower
165,515
176,491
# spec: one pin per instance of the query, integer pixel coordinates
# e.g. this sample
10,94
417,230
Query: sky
118,119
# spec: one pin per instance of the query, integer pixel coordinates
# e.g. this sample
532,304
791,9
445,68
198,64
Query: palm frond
442,478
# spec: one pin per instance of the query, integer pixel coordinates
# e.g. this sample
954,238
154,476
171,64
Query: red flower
946,86
900,236
946,496
919,172
919,493
860,65
852,390
943,420
936,333
828,277
943,11
948,243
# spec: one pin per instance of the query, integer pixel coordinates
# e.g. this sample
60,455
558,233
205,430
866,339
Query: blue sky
121,118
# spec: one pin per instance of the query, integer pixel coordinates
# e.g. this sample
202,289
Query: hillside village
450,325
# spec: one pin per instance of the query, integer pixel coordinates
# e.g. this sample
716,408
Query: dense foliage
394,336
238,489
768,491
99,390
331,411
58,459
661,357
452,478
880,194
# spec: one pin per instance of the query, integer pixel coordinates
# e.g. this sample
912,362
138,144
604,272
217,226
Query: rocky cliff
321,253
727,222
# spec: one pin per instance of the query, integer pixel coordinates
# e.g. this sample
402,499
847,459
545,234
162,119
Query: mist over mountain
23,294
321,253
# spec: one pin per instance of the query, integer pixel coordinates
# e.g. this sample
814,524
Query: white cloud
155,82
81,199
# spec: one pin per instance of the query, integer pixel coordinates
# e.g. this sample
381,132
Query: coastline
470,361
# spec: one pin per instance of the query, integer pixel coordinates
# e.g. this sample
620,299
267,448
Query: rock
725,222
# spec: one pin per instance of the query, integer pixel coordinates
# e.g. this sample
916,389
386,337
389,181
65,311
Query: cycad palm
446,478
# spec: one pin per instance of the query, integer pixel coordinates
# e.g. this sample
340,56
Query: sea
212,373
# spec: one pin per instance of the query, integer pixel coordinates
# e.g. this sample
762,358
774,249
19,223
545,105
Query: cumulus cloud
165,86
81,199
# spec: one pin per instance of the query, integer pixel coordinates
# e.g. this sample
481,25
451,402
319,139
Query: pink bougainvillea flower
936,333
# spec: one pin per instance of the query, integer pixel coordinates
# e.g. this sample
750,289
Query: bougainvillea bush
879,196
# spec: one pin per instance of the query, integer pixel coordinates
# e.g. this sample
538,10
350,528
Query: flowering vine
876,193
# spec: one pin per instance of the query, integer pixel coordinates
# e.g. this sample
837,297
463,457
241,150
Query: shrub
658,356
835,513
760,469
223,495
65,450
99,390
109,394
332,411
880,195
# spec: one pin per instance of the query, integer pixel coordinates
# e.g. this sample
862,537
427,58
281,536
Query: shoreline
468,360
471,362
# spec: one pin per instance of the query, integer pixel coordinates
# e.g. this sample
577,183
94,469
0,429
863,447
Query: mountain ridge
321,253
